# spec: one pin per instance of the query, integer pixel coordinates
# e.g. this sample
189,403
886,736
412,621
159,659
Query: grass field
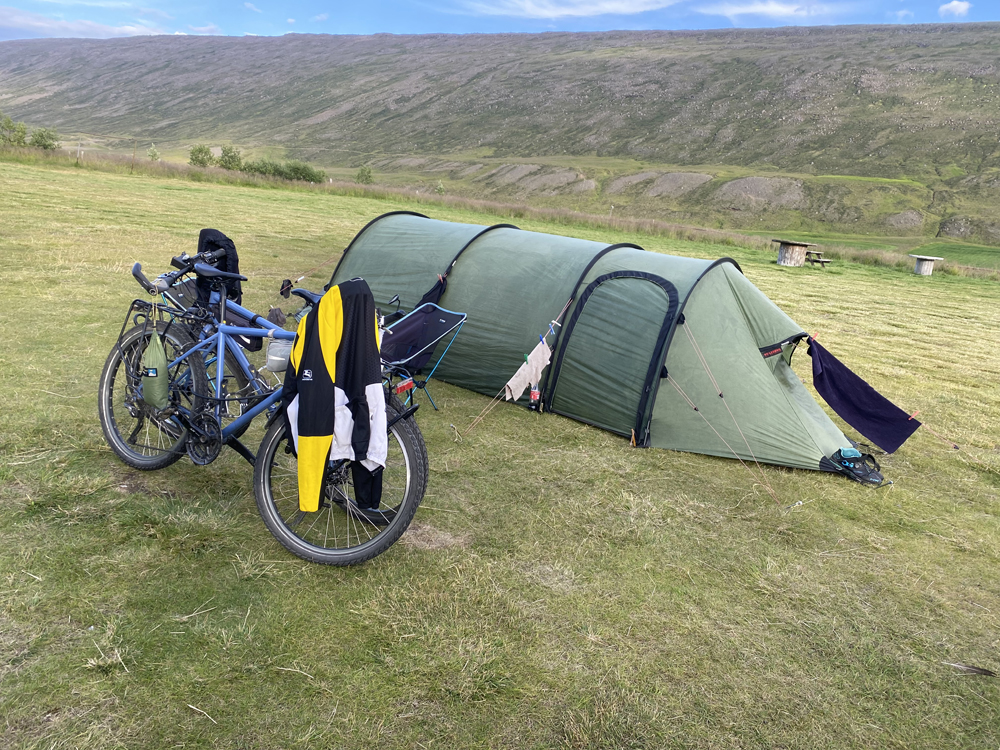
557,589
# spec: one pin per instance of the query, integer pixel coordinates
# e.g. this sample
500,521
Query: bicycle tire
392,401
119,404
336,534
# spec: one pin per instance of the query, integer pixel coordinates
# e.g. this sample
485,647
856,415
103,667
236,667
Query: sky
101,19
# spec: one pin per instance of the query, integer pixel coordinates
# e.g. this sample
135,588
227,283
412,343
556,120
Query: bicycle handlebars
158,286
184,263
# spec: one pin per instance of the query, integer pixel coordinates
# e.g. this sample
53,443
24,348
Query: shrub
230,158
44,138
440,188
364,176
264,167
293,170
152,152
201,156
12,133
298,170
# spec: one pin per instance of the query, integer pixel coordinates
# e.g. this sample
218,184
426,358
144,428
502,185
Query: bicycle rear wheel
339,533
143,437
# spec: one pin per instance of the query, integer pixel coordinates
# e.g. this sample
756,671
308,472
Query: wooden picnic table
816,256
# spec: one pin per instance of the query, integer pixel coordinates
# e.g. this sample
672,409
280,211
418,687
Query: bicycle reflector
404,385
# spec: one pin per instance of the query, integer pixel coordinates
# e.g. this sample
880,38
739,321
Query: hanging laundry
334,401
529,373
858,404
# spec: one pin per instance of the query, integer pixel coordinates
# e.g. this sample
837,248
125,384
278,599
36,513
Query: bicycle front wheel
340,533
143,437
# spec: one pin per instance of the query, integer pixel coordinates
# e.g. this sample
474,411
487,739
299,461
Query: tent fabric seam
466,246
784,393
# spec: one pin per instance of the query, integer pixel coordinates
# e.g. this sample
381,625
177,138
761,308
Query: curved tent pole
670,339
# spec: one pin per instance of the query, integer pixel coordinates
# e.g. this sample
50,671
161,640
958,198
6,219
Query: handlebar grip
141,278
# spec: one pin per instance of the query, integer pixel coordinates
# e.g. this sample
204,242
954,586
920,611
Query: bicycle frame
220,342
217,345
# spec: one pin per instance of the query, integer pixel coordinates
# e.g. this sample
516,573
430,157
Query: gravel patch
676,184
758,193
621,184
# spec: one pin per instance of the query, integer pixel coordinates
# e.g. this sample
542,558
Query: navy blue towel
857,403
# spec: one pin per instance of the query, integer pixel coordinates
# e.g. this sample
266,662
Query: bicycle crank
204,443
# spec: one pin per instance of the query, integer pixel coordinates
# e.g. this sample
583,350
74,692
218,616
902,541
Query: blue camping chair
409,344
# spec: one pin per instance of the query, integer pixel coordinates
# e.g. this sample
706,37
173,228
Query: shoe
861,467
374,516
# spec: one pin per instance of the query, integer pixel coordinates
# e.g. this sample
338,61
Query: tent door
611,349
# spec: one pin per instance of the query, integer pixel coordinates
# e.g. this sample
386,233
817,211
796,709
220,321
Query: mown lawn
557,589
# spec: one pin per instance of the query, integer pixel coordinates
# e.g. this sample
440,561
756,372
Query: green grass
557,589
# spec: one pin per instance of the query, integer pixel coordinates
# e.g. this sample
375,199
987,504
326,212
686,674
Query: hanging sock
857,403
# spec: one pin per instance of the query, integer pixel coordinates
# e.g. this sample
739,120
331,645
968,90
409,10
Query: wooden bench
815,256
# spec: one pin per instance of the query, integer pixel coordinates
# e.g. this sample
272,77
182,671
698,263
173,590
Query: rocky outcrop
911,219
760,193
676,184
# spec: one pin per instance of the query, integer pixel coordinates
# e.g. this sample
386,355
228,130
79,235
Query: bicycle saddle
211,272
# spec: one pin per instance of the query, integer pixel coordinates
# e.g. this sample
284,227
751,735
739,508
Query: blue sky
29,19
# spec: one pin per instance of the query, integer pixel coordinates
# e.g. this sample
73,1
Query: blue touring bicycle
215,393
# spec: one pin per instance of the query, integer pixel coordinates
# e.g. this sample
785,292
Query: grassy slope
889,101
828,106
558,588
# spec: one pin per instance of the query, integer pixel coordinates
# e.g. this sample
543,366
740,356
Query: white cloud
321,17
566,8
901,15
251,6
957,8
783,11
21,24
291,20
210,28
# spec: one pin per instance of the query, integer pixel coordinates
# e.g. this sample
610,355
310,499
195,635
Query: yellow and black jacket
333,394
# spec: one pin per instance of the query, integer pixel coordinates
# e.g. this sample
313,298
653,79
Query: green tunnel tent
647,337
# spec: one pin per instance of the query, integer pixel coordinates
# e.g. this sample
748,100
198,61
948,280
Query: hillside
914,103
